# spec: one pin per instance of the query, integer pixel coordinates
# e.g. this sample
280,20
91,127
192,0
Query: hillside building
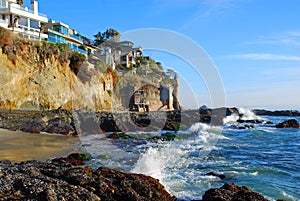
20,19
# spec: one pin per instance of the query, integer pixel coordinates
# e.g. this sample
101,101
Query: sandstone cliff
36,76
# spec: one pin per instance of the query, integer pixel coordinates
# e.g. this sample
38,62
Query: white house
20,19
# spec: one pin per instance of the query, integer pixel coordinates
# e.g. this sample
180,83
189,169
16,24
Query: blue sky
255,44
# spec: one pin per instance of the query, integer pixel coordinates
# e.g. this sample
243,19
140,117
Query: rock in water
291,123
35,180
231,192
221,176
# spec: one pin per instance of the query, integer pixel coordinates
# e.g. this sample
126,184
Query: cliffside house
21,20
59,32
129,54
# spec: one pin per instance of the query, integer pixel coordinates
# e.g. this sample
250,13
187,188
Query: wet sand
20,146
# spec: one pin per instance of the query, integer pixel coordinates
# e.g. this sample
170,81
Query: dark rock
288,113
232,192
291,123
36,180
241,127
221,176
251,121
75,159
53,121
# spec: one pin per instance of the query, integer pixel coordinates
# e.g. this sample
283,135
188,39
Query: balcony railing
76,37
82,51
27,10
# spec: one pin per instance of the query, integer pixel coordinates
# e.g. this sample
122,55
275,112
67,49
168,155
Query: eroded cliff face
34,82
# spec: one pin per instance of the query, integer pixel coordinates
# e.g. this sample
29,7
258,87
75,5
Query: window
34,38
34,24
23,21
55,38
51,38
3,17
61,29
3,4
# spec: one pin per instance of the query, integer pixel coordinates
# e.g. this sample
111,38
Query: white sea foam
289,196
200,127
230,119
156,159
254,173
248,114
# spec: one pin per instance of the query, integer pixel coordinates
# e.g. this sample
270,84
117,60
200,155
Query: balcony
30,11
82,51
76,37
23,11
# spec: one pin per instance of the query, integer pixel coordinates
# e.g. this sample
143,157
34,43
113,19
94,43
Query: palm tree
99,38
112,34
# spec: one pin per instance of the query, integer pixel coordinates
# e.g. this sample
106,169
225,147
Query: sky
254,44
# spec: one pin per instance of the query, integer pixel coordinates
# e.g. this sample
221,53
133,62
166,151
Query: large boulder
291,123
232,192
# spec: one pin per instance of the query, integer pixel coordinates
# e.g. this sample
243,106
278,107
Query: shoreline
16,138
74,123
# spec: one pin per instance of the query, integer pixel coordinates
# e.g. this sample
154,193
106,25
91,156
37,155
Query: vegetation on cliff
13,45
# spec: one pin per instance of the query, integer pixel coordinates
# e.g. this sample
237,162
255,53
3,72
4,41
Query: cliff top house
59,32
20,19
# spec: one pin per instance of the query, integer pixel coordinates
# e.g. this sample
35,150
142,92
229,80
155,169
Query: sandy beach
20,146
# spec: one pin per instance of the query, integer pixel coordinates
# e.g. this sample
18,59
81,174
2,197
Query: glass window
61,29
34,24
23,21
55,38
3,4
51,38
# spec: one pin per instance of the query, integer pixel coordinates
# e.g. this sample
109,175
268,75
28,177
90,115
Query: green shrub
109,92
76,61
100,65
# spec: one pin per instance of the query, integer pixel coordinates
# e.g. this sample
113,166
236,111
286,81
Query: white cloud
272,57
283,38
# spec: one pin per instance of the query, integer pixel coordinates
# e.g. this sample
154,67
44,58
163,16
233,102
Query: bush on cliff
76,61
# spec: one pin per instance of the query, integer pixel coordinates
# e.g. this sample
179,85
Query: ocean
263,158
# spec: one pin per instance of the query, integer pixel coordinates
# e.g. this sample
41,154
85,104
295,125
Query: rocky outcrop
54,121
291,123
221,176
288,113
232,192
36,180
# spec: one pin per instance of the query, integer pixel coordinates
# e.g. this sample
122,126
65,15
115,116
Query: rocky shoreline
66,179
76,122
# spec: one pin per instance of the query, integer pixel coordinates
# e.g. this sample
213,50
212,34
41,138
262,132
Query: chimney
34,6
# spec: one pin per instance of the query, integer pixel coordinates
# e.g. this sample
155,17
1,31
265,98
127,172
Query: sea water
264,158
